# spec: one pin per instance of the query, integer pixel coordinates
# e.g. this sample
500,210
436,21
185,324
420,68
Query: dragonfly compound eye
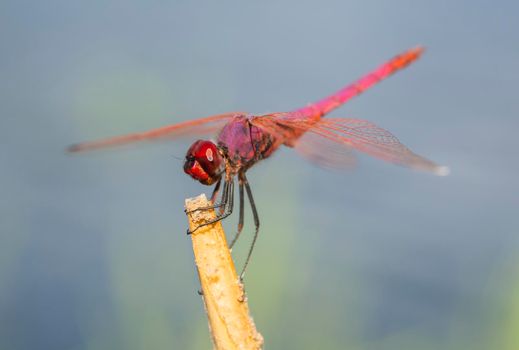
203,162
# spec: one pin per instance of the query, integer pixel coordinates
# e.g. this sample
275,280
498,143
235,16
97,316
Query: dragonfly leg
241,213
213,197
216,190
227,204
256,225
223,203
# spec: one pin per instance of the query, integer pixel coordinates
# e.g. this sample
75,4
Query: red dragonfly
244,139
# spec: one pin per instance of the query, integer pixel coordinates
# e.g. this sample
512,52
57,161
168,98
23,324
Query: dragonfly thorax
204,162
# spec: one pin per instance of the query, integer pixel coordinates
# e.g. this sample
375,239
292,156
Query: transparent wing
368,138
202,126
324,152
357,134
286,127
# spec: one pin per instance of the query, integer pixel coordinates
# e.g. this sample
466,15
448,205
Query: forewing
291,129
357,134
199,127
324,152
280,125
371,139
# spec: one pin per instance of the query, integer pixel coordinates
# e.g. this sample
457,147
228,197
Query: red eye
204,150
204,162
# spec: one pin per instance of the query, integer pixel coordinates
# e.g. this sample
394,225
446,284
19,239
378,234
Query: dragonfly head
204,162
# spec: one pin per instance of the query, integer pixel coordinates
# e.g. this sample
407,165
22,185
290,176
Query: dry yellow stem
224,298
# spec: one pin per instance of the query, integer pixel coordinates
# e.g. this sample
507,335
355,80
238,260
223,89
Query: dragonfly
243,140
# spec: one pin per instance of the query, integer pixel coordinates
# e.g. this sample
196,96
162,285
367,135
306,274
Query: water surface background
93,252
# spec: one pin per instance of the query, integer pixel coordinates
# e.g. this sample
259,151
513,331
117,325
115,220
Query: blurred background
93,251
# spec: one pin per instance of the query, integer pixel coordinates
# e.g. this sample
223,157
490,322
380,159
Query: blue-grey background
93,252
